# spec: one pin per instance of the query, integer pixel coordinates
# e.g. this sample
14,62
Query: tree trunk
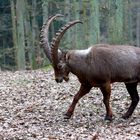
77,32
45,10
94,28
115,23
68,37
35,36
28,35
20,13
85,25
138,28
14,25
119,21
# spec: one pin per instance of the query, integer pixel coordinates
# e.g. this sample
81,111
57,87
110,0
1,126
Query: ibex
98,66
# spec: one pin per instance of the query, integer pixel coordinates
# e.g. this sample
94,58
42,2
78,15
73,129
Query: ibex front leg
84,89
106,90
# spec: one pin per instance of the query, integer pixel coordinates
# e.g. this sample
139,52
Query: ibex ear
59,54
62,54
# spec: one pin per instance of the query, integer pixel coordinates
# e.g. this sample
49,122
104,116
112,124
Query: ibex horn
56,40
44,41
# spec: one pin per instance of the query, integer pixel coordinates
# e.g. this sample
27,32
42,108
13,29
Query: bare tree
20,50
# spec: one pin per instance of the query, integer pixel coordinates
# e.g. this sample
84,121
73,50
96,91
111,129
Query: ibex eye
59,66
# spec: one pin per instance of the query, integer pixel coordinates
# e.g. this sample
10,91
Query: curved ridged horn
44,41
56,40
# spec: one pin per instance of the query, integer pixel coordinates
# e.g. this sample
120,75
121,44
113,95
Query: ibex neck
77,61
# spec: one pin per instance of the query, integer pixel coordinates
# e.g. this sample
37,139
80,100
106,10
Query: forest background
104,21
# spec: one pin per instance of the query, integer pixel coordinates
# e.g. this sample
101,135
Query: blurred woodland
104,21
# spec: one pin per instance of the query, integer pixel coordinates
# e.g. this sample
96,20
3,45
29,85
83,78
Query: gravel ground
32,107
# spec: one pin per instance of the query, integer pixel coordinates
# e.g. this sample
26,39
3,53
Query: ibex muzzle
61,74
98,66
59,79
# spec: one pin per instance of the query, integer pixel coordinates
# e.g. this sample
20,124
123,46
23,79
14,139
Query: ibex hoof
67,116
125,117
108,118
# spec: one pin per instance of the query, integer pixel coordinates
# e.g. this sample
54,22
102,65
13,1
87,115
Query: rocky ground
32,107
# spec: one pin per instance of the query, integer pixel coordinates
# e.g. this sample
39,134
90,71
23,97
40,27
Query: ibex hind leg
132,90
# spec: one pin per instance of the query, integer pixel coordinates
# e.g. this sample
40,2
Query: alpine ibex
98,66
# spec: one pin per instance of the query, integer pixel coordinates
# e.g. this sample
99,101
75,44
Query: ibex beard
98,66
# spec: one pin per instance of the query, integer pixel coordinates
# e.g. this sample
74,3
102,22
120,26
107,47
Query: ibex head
56,56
